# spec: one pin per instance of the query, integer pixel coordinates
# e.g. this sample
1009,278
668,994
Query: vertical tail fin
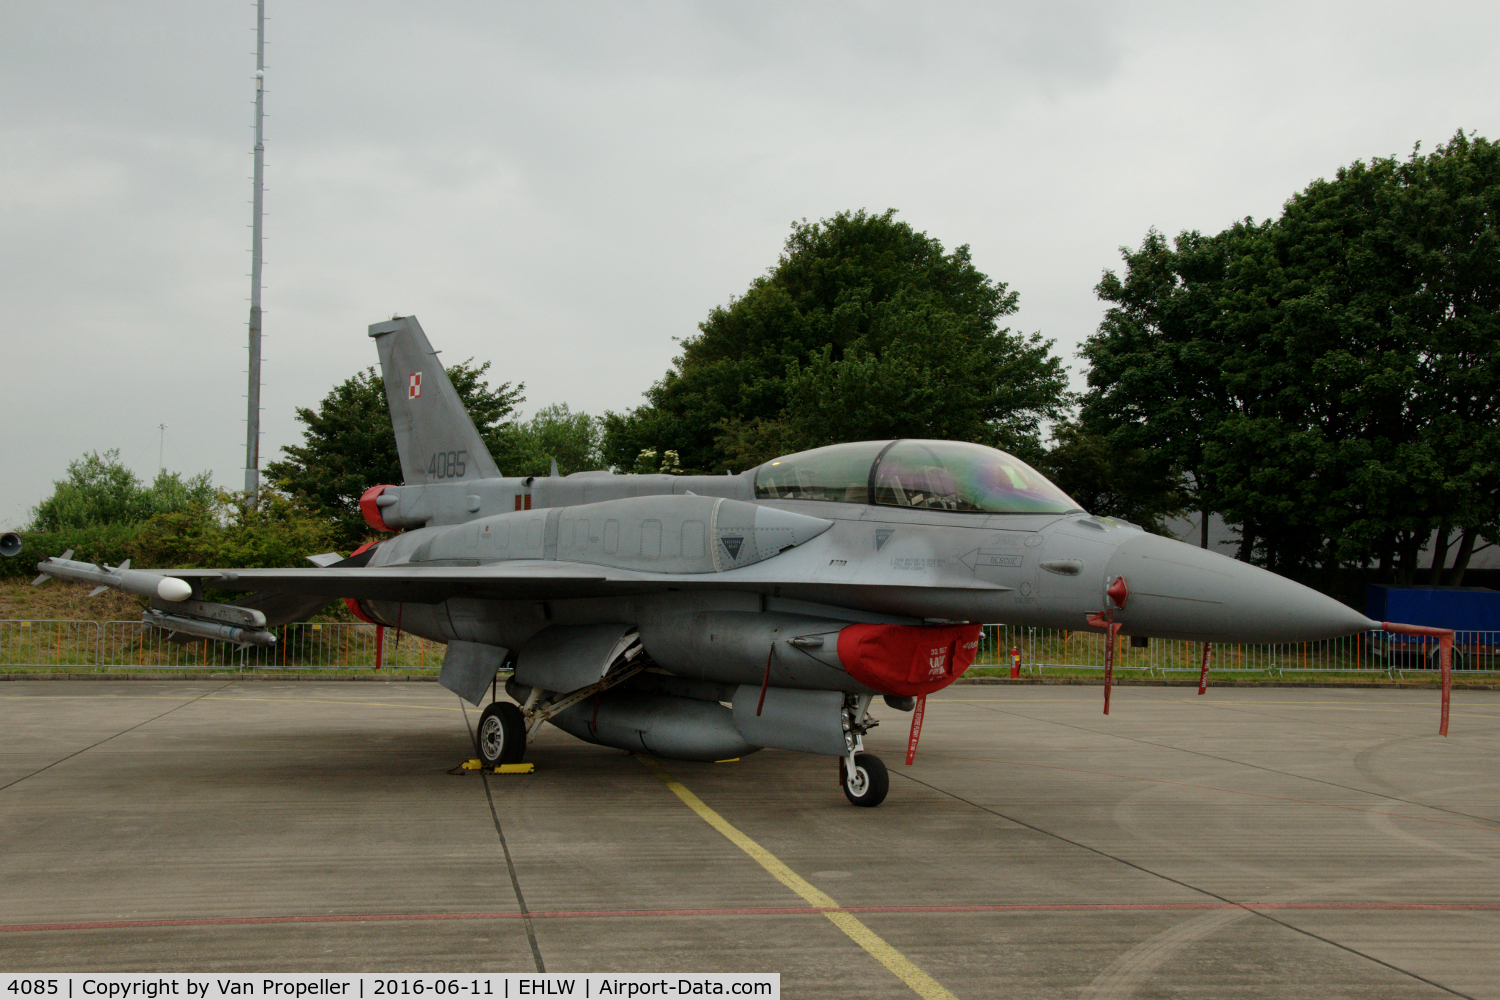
434,435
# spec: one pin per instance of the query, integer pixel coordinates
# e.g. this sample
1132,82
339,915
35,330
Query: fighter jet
707,617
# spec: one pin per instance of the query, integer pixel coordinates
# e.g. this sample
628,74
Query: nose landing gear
864,778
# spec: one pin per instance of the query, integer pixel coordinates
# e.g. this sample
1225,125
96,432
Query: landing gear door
569,657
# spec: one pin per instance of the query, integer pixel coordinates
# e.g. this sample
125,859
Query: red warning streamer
1203,674
379,645
1445,645
916,729
1111,629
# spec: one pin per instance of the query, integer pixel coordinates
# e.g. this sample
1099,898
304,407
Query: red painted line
752,911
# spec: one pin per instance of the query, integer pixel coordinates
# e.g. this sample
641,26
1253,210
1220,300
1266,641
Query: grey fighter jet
706,617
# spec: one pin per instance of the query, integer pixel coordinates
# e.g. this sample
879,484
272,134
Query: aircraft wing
544,580
423,584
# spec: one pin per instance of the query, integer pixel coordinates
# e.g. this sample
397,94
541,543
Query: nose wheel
865,779
500,737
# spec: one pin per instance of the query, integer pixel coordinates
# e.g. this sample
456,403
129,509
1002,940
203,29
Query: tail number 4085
447,464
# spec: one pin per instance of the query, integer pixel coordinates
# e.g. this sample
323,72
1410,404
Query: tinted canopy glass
952,475
932,475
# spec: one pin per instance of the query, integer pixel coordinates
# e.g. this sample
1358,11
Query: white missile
134,581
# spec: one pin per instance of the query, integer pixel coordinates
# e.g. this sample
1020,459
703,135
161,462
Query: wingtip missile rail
132,581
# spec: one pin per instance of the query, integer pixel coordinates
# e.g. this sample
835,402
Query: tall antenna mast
252,423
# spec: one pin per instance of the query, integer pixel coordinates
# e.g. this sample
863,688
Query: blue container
1464,609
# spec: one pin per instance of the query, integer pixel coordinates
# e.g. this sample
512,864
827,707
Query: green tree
276,530
528,447
1156,364
99,490
348,444
1329,380
865,328
1134,484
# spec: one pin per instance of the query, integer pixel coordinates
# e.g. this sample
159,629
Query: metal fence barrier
124,645
49,643
299,646
1379,652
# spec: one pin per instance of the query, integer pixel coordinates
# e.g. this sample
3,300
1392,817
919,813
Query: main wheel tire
868,783
500,737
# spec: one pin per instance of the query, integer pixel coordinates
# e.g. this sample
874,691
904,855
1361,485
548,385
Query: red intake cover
908,660
371,510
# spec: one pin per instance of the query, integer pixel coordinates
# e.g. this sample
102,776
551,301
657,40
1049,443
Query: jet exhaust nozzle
10,545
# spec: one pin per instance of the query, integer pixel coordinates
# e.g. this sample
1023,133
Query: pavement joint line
75,753
510,864
1228,791
747,911
902,967
1263,912
1269,770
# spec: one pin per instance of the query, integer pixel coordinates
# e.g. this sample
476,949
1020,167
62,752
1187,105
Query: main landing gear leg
862,775
864,778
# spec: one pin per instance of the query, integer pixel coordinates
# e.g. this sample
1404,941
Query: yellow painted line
921,983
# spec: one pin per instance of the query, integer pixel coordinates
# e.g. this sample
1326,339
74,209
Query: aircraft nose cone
1179,591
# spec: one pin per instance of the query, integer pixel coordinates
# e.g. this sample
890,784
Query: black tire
869,783
500,737
1435,659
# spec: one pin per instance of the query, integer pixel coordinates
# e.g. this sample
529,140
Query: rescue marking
749,911
920,982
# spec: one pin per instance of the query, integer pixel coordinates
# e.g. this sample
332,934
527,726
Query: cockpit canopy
932,475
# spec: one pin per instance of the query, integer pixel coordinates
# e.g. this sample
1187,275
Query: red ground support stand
1111,629
1445,644
1203,674
916,728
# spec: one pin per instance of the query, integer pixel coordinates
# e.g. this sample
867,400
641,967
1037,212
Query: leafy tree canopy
528,447
1329,380
865,328
1136,484
99,490
276,530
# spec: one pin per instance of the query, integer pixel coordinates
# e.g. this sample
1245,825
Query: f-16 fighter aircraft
706,617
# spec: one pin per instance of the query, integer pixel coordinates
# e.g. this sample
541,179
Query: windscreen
952,475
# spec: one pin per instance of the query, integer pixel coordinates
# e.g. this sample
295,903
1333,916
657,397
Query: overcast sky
562,189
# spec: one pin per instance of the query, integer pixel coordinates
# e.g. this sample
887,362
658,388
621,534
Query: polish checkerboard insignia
414,386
